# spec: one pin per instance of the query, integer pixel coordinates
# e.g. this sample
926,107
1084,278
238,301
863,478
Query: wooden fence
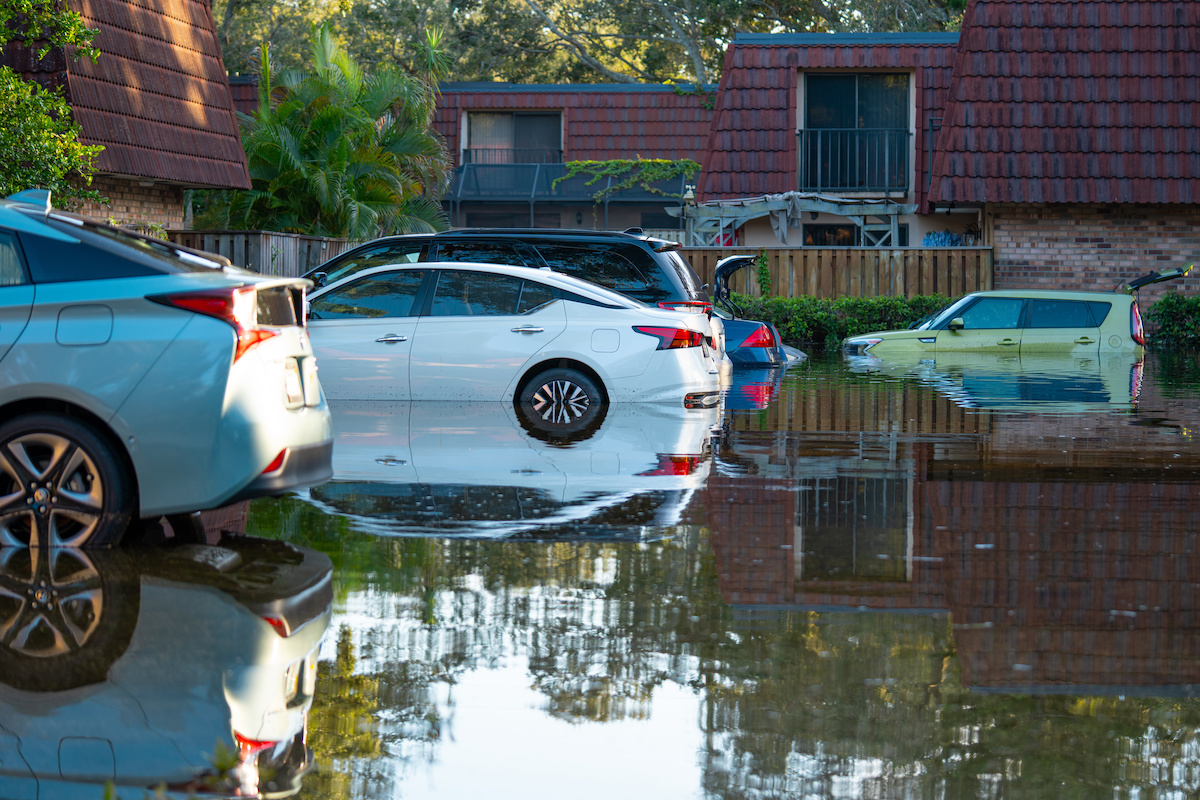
855,271
285,254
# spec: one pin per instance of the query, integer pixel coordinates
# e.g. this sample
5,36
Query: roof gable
601,122
1092,101
752,147
158,97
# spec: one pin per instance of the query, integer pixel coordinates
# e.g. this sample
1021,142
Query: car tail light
248,747
276,462
236,305
692,306
1136,331
279,625
674,465
760,338
671,338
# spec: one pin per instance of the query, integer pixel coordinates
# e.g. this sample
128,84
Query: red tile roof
1091,101
752,149
600,121
158,97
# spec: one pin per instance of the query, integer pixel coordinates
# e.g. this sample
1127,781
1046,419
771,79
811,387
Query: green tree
39,142
336,151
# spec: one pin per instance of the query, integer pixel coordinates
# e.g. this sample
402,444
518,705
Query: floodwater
856,580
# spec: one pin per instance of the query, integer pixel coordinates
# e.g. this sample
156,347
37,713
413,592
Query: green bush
806,321
1175,322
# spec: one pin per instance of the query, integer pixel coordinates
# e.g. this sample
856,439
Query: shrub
1175,322
807,320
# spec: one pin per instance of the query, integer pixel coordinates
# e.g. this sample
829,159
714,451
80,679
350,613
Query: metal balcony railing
854,160
518,155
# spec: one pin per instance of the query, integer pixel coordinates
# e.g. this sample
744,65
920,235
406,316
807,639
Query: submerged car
643,267
186,670
141,379
556,345
749,342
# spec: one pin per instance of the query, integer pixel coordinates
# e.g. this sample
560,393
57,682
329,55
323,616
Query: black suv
645,268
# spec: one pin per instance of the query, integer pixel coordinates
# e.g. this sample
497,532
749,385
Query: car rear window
12,273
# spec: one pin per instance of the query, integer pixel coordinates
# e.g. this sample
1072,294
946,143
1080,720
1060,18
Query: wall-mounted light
689,192
813,215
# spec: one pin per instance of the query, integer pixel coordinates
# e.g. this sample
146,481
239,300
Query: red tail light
248,746
692,306
674,465
670,338
236,305
278,625
1136,331
276,462
760,338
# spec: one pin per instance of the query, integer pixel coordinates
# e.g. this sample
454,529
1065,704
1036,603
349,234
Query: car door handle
528,329
1085,340
392,338
1007,342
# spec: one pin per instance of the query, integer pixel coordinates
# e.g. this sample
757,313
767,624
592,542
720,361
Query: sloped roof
752,147
158,97
1091,101
601,121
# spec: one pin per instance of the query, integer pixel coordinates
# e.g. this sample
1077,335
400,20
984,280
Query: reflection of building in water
1063,547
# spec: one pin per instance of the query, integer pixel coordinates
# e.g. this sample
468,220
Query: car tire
66,615
561,401
61,485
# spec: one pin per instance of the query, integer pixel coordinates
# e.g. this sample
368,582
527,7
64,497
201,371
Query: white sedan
556,345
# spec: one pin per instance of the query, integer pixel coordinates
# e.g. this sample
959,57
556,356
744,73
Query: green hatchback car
1021,321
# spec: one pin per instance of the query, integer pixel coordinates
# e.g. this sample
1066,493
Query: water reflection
191,667
876,592
420,468
1021,383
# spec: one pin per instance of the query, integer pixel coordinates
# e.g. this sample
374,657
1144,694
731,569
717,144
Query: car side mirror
956,324
319,278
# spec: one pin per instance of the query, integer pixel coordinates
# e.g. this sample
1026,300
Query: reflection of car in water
753,389
1044,384
137,667
482,469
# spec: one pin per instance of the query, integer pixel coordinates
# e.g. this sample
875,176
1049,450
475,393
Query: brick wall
1092,248
131,204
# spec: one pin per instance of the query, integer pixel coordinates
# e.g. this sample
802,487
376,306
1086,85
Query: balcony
870,160
519,155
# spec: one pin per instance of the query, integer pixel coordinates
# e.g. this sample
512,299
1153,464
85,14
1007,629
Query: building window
513,137
856,133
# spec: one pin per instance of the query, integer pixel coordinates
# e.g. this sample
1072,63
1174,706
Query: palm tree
336,152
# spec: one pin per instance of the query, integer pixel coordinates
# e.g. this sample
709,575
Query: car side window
533,296
481,253
600,266
993,312
1059,314
463,293
1099,310
385,294
11,271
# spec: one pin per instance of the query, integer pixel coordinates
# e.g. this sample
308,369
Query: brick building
157,99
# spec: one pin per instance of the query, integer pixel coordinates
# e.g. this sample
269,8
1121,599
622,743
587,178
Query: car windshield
942,316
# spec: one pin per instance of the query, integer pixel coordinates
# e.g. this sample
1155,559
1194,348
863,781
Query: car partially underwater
487,470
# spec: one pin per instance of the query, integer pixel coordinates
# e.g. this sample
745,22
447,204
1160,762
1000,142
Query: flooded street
975,579
872,583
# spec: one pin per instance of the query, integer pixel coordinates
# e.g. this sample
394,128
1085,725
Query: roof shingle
157,99
1095,101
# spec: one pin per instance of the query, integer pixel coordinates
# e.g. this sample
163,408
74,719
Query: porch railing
856,271
518,155
854,159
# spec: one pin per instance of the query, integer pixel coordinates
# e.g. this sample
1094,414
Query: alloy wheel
51,491
560,401
51,601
